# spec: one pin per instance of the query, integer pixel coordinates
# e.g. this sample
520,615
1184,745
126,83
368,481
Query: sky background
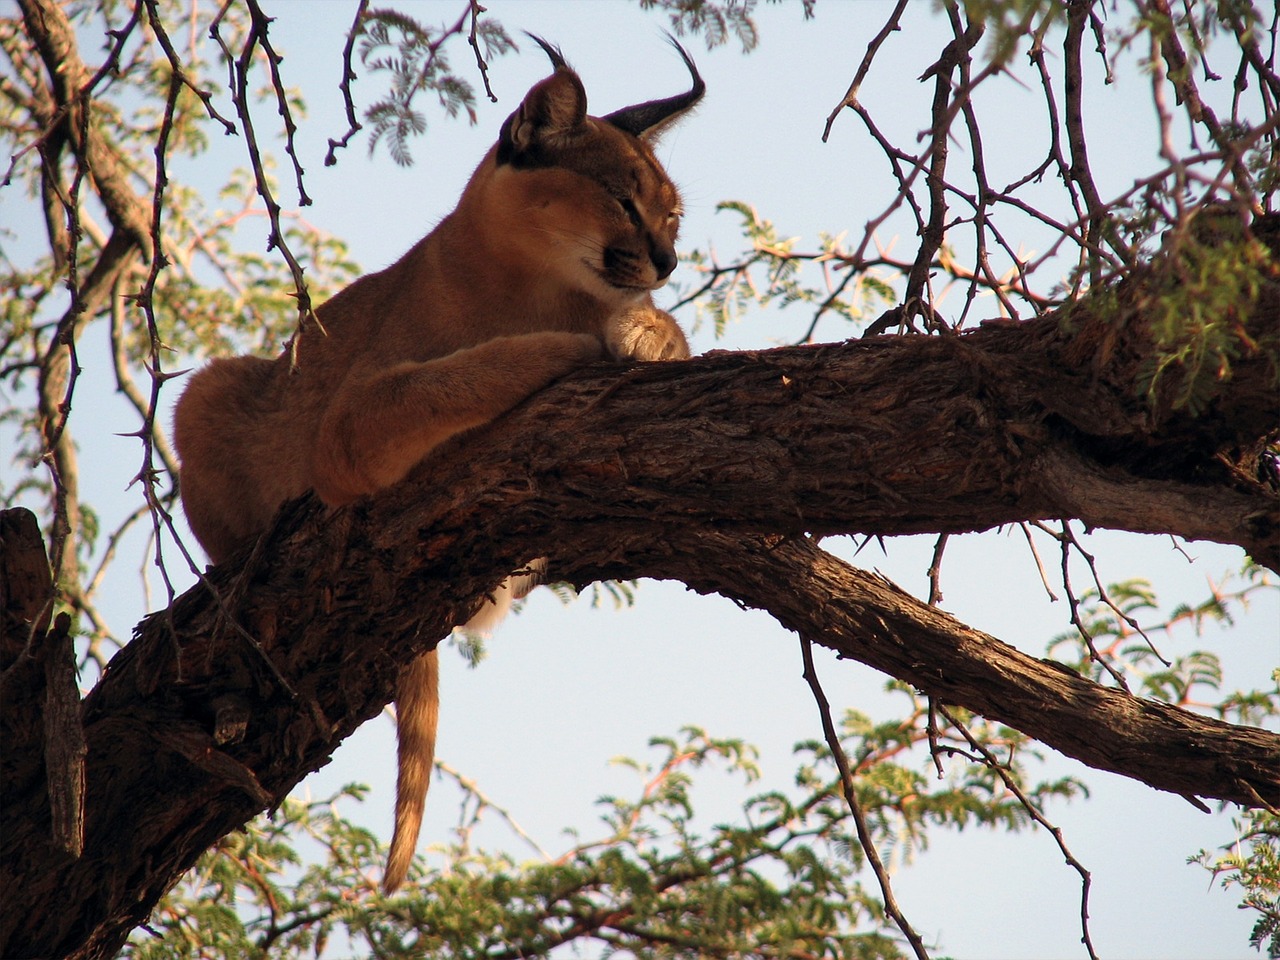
566,688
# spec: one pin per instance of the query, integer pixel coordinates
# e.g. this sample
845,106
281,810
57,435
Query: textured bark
710,471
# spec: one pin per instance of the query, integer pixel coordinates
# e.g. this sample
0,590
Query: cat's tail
417,715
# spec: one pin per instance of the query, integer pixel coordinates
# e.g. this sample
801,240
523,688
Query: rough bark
713,472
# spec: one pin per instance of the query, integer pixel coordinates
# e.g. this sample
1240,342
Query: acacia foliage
658,882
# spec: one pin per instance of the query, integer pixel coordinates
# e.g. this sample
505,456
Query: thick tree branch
898,436
864,617
710,471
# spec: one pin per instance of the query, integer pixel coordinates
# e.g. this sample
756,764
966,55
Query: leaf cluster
717,22
1252,863
1193,678
1201,314
783,880
414,57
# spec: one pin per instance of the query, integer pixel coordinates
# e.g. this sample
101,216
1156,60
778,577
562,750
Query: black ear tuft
550,114
648,120
553,52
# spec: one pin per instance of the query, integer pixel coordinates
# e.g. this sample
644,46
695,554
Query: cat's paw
646,333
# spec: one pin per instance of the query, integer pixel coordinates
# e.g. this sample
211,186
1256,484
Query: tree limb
710,471
864,617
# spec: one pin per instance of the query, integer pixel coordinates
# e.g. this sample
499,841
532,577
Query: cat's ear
552,113
648,120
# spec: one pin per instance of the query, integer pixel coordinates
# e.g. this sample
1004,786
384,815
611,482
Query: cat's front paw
646,333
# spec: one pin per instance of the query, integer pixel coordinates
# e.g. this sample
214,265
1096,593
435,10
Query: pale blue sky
565,689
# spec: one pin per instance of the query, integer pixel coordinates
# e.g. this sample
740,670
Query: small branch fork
348,76
1011,784
982,755
473,806
473,11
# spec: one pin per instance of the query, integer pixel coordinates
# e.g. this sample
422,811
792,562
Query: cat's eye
629,208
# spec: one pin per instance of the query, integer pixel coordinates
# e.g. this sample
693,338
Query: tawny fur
417,715
546,264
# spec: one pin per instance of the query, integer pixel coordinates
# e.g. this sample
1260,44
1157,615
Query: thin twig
935,570
1065,541
239,66
855,808
1086,880
475,10
261,23
850,98
483,802
1105,597
1044,579
348,75
1080,171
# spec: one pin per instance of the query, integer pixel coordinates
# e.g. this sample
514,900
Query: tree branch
710,471
864,617
52,34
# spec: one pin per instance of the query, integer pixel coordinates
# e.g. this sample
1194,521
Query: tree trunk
712,471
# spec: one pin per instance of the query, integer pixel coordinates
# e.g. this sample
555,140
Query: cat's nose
664,261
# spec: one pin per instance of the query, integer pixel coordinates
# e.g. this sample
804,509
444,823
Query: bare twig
1044,579
935,571
468,818
1105,597
851,798
1012,785
474,8
1080,171
239,67
1065,541
260,28
348,75
931,236
850,98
